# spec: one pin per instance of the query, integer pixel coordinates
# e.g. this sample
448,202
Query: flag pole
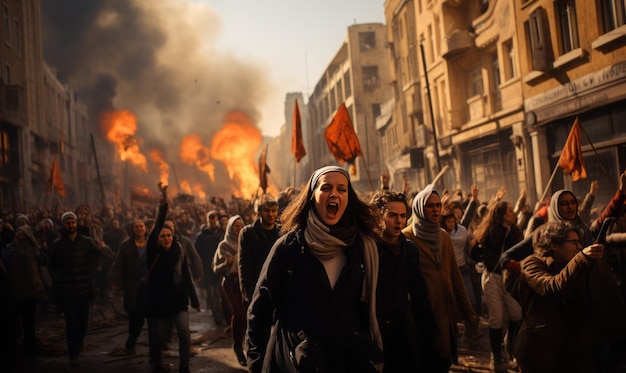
95,156
545,191
367,170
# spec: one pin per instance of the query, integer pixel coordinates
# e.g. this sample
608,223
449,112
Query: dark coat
127,271
255,243
311,323
206,245
567,309
405,316
170,284
72,267
495,243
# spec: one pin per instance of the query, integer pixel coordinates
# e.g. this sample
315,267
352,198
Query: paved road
212,348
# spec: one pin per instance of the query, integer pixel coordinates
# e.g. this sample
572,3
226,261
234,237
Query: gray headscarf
423,229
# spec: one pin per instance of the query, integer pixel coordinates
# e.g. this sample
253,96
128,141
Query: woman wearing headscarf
314,305
170,289
24,257
225,263
438,265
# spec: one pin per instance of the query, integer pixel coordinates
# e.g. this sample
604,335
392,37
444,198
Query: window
5,149
18,39
347,84
6,27
566,10
371,80
613,14
367,41
476,82
538,39
431,45
508,59
375,110
497,80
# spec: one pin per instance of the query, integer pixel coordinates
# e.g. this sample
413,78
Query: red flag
263,170
571,159
341,138
57,179
297,146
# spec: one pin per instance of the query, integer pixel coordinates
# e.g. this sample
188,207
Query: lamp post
430,105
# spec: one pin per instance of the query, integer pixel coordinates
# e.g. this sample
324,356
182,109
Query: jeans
159,328
76,312
135,324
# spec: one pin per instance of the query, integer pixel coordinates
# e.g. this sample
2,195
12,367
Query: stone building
358,75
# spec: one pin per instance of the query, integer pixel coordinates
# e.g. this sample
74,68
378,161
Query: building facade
357,76
41,119
574,66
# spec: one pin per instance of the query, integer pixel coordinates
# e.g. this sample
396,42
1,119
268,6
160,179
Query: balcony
457,42
12,104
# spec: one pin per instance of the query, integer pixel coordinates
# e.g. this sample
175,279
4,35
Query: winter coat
23,257
567,309
72,267
170,283
127,271
446,291
255,243
295,318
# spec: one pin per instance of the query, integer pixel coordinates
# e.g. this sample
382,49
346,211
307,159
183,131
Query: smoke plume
158,59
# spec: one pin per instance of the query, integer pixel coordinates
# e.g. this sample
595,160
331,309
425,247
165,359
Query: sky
292,40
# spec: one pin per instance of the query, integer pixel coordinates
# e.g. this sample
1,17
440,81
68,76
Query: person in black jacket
255,242
129,268
314,305
405,316
170,289
73,259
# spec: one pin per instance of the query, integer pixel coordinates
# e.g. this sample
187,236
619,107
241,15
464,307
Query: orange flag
57,179
341,138
571,159
263,170
297,146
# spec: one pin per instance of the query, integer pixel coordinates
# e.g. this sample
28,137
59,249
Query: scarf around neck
423,229
324,245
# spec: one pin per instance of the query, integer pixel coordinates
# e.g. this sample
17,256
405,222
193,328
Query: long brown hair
295,215
492,219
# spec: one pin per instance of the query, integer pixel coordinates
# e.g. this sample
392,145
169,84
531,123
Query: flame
157,157
184,187
236,144
192,151
198,190
120,127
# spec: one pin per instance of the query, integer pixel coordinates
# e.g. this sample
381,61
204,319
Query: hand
595,251
474,318
474,192
513,266
163,189
500,193
593,187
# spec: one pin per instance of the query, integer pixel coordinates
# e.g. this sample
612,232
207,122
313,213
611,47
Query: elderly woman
562,320
314,305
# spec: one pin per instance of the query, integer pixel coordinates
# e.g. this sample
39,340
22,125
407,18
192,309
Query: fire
192,151
199,191
235,144
184,187
157,157
120,127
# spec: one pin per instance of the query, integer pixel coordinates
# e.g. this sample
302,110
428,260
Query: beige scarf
325,246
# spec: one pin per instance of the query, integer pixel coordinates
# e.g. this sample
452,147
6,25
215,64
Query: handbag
143,292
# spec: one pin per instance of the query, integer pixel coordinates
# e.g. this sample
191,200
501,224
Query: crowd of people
325,279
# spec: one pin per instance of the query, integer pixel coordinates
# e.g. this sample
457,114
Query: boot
511,335
495,341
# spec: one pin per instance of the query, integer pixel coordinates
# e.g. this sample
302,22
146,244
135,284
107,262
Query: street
211,347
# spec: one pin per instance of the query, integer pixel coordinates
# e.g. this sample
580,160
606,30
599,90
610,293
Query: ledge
605,39
533,76
568,57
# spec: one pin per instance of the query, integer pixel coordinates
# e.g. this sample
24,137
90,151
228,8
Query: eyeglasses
433,205
576,242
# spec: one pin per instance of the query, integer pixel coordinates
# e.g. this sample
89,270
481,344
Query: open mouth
332,208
